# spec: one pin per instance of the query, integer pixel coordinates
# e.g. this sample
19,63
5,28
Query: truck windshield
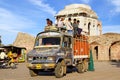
48,41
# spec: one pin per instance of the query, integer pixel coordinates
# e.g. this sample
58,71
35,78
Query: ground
103,71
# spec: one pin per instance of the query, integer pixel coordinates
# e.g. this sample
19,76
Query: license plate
38,66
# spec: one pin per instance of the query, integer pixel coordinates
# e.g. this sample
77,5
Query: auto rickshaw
17,54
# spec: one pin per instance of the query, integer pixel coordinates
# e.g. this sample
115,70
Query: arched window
83,14
89,28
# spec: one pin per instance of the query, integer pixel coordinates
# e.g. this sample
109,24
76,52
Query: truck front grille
39,58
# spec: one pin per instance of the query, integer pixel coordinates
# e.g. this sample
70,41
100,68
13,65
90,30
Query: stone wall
106,46
24,40
115,51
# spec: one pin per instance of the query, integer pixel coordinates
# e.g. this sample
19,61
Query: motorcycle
7,63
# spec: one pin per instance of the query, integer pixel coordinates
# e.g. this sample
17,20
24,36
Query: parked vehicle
7,64
6,60
57,51
18,53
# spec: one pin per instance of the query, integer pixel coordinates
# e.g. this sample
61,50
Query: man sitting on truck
48,22
49,25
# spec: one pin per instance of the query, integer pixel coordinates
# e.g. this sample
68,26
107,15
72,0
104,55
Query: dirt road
103,71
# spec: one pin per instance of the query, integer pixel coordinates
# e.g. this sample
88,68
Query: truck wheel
85,65
33,72
65,70
80,68
59,70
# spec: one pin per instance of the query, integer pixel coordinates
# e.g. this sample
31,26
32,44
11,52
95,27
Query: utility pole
0,41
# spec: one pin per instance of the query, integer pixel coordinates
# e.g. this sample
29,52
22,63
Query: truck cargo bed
81,47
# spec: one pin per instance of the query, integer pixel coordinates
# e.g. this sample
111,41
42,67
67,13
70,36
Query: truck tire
80,68
59,70
85,65
33,72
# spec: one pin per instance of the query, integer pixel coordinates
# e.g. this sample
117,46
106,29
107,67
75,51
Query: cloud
11,24
116,4
11,21
111,28
6,19
43,6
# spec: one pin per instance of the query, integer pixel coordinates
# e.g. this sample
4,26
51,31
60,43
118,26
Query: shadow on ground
51,73
116,63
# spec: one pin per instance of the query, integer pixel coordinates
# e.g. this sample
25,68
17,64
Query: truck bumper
41,66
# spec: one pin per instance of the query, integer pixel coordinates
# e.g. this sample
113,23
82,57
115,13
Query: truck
56,51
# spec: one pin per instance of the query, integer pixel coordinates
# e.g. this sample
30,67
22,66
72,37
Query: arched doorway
114,51
89,28
96,52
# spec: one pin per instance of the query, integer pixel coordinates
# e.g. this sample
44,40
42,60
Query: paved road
103,71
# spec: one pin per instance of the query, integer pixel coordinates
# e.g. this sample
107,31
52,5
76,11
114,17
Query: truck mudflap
41,66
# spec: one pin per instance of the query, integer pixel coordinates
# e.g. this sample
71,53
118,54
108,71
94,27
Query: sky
29,16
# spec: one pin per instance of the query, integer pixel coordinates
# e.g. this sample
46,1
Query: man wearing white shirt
69,26
3,55
60,24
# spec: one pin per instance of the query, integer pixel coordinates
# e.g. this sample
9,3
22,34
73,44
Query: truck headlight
30,58
60,54
50,58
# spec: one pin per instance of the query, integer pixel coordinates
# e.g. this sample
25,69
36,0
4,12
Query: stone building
88,18
106,46
24,40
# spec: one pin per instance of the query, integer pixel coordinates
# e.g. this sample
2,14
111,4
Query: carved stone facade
88,18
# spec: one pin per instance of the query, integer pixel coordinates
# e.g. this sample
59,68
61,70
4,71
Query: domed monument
88,18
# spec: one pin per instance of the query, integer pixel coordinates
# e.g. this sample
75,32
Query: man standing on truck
79,29
60,24
75,27
69,26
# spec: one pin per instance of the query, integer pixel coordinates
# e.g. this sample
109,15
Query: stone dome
77,9
77,6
